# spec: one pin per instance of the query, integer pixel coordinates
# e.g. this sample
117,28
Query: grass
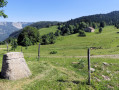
61,74
56,71
107,43
47,30
65,76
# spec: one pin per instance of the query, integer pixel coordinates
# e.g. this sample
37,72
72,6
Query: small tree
48,39
3,3
27,42
45,39
14,44
52,38
82,25
102,24
100,30
94,25
82,33
31,33
58,33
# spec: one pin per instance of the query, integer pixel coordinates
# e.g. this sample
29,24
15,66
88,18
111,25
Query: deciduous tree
3,3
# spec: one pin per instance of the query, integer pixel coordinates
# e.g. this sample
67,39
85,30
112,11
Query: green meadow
67,68
43,31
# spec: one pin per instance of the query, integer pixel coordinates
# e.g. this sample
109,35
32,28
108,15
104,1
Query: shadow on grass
1,77
97,32
75,82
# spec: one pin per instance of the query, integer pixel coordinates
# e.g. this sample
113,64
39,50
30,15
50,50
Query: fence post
7,47
39,52
21,48
89,75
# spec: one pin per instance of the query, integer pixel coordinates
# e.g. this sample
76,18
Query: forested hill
44,24
38,25
109,18
91,20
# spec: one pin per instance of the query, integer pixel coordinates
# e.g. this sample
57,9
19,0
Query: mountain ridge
110,18
6,28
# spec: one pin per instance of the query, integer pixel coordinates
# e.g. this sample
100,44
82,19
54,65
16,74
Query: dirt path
2,48
116,56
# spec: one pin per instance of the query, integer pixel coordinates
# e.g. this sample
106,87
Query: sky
55,10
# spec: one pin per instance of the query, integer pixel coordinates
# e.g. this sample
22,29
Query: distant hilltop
6,28
18,25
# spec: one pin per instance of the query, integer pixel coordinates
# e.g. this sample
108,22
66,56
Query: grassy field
106,43
48,30
58,71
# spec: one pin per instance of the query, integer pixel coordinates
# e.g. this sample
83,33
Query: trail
2,48
116,56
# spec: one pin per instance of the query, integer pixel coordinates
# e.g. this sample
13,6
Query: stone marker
14,66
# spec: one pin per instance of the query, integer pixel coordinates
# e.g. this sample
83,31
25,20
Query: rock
111,63
97,79
108,71
14,66
92,69
106,64
112,88
106,78
95,66
116,72
75,62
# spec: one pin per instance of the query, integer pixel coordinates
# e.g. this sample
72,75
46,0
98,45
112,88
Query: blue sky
55,10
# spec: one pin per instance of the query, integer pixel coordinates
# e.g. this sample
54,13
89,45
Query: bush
48,39
100,30
53,52
14,44
82,33
80,64
28,35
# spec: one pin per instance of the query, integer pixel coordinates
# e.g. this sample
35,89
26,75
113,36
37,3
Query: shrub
80,64
31,34
14,44
82,33
53,52
48,39
100,30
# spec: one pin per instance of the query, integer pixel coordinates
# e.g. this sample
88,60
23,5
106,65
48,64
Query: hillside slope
66,70
38,25
43,31
72,45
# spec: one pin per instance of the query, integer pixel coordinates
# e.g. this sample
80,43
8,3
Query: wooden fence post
39,52
89,72
7,47
21,48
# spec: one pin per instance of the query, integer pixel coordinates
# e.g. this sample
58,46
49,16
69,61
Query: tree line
31,36
68,29
109,18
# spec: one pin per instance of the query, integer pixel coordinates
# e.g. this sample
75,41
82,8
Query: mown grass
47,30
56,71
